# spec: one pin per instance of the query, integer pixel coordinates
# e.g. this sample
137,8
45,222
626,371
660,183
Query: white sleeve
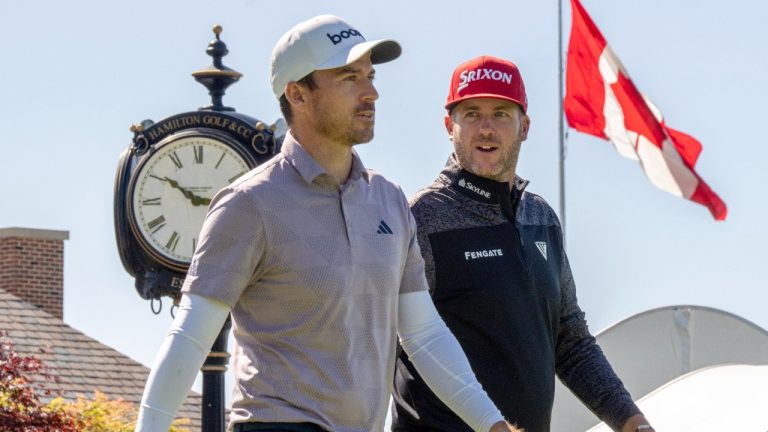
193,331
440,361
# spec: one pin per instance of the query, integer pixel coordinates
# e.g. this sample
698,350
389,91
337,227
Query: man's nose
486,125
370,93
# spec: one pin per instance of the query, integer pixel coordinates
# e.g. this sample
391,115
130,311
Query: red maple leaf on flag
602,100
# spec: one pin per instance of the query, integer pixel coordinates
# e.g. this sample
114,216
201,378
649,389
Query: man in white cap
316,259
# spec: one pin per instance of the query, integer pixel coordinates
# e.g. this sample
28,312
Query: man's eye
502,114
471,114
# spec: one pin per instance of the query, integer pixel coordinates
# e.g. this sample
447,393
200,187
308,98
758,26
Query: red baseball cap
487,77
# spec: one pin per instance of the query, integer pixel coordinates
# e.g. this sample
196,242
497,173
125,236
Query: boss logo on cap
345,34
468,76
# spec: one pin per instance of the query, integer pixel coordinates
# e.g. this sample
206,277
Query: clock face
171,191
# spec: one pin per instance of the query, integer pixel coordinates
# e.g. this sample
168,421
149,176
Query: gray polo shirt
312,270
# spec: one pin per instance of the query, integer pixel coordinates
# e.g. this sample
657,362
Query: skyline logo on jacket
467,185
542,247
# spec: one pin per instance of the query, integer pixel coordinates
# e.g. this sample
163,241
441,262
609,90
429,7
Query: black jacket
500,279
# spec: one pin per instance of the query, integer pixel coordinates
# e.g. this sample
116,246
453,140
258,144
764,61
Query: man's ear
295,94
525,124
449,125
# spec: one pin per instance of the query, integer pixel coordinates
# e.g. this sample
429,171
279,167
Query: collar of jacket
480,188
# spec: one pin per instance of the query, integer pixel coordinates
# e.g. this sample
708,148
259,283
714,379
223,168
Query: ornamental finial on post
217,77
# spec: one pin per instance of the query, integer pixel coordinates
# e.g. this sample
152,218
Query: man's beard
346,134
502,170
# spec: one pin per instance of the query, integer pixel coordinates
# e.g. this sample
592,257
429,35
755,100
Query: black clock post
216,78
165,180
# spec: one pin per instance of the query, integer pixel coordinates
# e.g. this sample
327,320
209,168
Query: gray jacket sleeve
581,364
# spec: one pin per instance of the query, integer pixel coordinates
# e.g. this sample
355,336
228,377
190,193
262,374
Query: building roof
82,363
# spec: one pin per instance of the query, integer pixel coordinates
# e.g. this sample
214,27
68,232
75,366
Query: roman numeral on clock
151,201
198,154
175,158
236,176
173,241
156,224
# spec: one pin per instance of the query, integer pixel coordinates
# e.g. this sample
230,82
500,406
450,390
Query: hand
503,426
633,422
196,200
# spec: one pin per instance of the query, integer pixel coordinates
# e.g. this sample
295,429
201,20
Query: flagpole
561,125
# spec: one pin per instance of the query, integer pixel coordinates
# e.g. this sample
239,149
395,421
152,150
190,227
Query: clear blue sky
76,75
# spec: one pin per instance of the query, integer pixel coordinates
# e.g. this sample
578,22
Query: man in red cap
498,273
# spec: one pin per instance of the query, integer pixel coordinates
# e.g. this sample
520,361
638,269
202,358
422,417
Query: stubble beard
341,128
501,171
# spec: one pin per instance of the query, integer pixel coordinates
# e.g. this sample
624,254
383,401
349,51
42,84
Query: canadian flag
601,100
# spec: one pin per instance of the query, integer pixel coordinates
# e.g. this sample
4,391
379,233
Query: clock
171,188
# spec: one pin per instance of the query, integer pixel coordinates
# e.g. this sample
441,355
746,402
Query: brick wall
32,266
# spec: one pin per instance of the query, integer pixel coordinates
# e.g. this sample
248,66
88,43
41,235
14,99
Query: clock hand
173,183
196,200
189,195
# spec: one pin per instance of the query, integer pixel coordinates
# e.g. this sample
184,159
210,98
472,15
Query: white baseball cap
323,42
